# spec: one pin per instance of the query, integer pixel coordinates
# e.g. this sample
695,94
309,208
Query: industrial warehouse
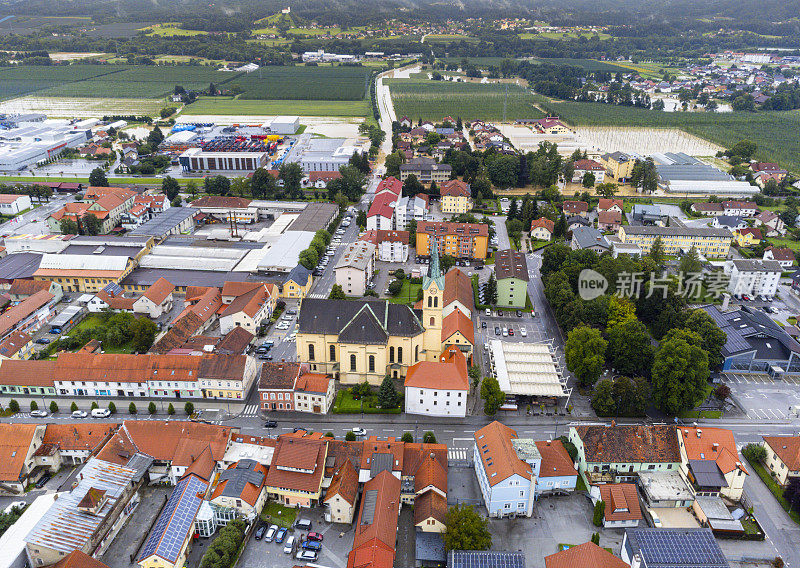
33,140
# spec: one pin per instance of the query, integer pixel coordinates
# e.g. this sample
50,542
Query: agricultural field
432,100
775,132
79,107
645,141
449,38
22,80
170,30
314,31
565,35
231,106
304,83
24,25
587,64
477,61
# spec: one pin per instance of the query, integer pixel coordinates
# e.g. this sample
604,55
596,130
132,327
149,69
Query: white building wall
436,402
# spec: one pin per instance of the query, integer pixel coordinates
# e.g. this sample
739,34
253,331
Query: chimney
699,432
613,423
715,447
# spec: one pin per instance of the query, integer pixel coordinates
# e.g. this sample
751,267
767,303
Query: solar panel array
695,548
485,559
176,520
238,477
113,289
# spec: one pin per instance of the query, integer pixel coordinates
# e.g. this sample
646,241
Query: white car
39,414
505,332
358,431
17,504
287,317
523,332
80,414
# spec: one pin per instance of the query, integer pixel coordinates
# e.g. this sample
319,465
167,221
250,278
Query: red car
315,536
510,331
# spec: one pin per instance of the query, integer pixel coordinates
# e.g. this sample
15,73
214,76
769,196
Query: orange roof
159,290
609,217
28,287
78,559
455,188
13,343
27,373
312,382
374,446
6,198
15,441
715,444
239,288
787,449
609,203
437,375
202,466
248,303
622,502
458,287
344,484
498,457
76,436
430,505
456,321
13,316
295,452
586,555
555,460
373,554
220,201
543,222
380,507
431,473
116,302
414,454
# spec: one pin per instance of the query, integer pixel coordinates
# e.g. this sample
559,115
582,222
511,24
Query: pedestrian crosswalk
317,295
250,410
457,454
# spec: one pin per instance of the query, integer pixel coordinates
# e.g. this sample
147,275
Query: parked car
271,533
307,555
311,545
302,524
523,332
496,330
499,313
15,504
260,532
271,424
488,313
315,536
101,413
358,431
519,313
505,332
483,325
511,331
43,481
265,357
43,341
39,414
80,414
280,535
288,546
55,330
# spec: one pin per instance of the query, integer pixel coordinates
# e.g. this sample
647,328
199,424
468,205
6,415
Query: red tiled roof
586,555
787,449
716,444
609,217
630,444
28,287
497,455
457,287
78,559
605,204
430,505
622,502
781,253
344,484
27,372
13,343
446,375
297,452
543,222
159,291
456,321
455,188
555,460
220,201
588,165
15,441
312,382
575,207
381,524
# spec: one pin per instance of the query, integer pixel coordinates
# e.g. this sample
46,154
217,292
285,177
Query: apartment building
754,277
709,242
460,240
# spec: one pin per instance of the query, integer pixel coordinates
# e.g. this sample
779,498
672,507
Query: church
358,340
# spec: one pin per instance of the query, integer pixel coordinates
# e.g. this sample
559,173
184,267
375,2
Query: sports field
228,105
304,83
432,100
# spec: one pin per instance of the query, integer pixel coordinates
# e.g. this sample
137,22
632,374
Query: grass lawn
784,242
581,485
225,105
701,414
776,489
408,294
171,30
346,404
93,321
278,514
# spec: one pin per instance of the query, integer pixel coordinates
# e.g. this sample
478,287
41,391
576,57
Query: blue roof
676,548
299,275
176,521
485,559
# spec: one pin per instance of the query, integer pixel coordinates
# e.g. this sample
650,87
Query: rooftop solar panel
677,548
485,559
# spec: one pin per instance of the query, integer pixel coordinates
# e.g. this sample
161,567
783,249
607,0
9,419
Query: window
391,354
311,352
507,506
352,362
416,353
433,321
399,354
332,352
372,363
436,301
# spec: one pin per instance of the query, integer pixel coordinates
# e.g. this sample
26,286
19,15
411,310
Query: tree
90,224
131,408
603,401
388,397
170,409
240,186
170,187
291,174
337,293
503,170
755,453
491,290
446,262
13,405
34,405
596,538
630,351
98,178
560,228
53,407
722,391
393,163
350,184
743,149
350,436
599,513
429,437
680,371
329,435
155,137
690,262
73,407
407,437
395,287
191,188
263,184
588,180
151,408
412,186
144,331
465,529
606,189
493,397
620,310
361,219
94,405
657,251
712,337
112,408
631,396
68,226
585,353
217,185
188,408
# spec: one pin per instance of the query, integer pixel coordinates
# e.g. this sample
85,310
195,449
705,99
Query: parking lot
762,398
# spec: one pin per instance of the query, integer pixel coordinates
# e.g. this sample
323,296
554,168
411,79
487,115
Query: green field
587,64
304,83
566,35
314,31
775,132
228,105
22,80
432,100
171,30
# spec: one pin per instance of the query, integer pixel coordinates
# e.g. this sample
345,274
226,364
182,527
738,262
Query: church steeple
435,271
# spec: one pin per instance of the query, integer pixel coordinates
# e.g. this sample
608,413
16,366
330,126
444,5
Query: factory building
282,125
29,143
323,154
195,159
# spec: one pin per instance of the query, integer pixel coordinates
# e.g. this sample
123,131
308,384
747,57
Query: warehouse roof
314,217
164,222
674,231
526,369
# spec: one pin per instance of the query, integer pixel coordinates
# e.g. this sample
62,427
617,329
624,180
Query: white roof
284,254
83,262
713,187
527,369
12,543
241,451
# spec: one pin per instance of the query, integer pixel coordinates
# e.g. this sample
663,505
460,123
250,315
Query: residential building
542,229
586,555
78,559
577,221
458,294
26,377
557,474
298,283
276,385
583,167
108,204
589,238
72,444
226,376
376,527
240,491
460,240
426,170
550,125
610,454
248,305
19,443
710,460
611,205
618,165
755,277
580,208
783,457
748,237
438,388
29,315
23,289
410,209
782,255
709,242
765,171
730,222
740,208
382,211
295,474
391,246
708,209
771,222
507,468
14,204
156,300
456,197
610,220
314,393
669,548
511,271
622,508
16,345
645,214
355,267
342,494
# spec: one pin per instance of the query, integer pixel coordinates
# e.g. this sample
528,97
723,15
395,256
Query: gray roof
706,473
239,476
429,547
424,164
691,172
485,559
729,220
314,217
381,319
673,231
298,274
183,278
19,265
380,462
755,265
751,331
164,222
646,209
587,237
510,263
102,250
577,219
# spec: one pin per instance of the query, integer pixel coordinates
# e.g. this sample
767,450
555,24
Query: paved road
34,222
